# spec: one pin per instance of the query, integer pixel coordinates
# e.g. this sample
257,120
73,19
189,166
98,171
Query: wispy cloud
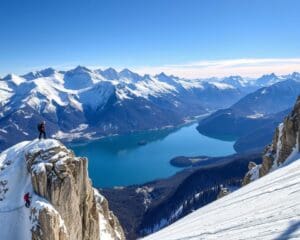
248,67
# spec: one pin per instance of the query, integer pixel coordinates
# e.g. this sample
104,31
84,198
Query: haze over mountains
253,118
86,104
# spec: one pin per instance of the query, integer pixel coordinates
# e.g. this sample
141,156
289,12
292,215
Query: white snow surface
82,87
267,208
15,181
255,115
222,86
16,221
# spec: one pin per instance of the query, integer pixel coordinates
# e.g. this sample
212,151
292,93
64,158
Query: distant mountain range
85,104
253,118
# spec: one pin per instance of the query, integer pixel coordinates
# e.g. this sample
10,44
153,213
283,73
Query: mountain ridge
106,102
267,205
64,205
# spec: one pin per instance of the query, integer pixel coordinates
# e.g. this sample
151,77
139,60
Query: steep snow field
268,208
15,181
16,221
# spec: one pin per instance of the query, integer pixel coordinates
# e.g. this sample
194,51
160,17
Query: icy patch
264,91
3,130
98,196
295,154
222,86
189,84
104,233
146,192
256,115
75,134
254,173
38,167
39,204
80,128
278,147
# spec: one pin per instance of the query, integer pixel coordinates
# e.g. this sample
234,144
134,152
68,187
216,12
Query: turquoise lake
121,161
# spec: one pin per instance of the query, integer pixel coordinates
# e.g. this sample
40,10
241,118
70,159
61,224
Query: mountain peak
271,75
110,73
37,74
48,71
162,75
295,75
80,68
14,78
267,79
236,77
126,70
10,76
52,175
110,70
126,73
235,81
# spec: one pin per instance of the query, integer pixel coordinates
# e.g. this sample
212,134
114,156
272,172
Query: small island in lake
142,142
182,161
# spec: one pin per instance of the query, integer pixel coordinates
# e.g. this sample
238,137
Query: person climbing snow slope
27,200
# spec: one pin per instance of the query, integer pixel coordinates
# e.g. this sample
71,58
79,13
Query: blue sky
178,36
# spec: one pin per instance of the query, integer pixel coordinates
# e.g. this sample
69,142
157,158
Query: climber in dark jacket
27,200
42,130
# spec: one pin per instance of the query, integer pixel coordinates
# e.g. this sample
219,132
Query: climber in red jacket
27,199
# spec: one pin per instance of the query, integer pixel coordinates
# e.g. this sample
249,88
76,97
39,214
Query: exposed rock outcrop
282,150
64,204
223,192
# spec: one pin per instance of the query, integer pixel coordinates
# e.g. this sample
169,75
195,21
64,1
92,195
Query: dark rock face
285,143
157,204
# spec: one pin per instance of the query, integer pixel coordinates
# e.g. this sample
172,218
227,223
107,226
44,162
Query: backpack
39,126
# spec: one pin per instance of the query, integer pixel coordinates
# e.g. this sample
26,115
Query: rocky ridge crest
282,150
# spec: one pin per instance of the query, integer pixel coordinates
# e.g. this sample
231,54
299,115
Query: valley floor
265,209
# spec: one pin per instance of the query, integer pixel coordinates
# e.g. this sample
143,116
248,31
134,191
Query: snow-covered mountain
64,205
245,84
255,115
284,148
83,103
265,209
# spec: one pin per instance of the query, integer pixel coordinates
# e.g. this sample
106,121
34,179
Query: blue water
121,161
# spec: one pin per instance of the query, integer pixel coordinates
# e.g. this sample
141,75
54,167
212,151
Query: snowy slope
265,209
15,181
18,222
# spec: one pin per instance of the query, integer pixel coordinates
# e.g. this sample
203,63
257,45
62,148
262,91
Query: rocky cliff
64,204
283,149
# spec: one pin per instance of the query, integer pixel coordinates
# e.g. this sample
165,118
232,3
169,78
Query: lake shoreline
84,141
145,156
